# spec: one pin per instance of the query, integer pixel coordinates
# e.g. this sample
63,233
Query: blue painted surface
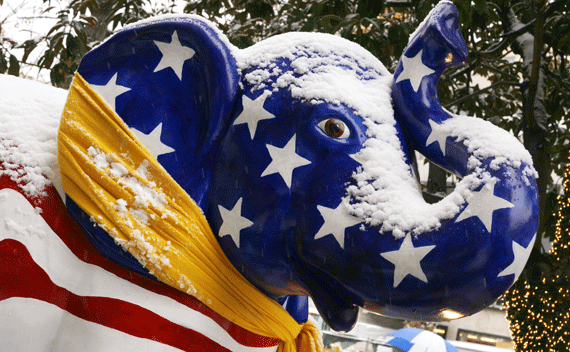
220,163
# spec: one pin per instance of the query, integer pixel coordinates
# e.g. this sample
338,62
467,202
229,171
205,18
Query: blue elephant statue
298,151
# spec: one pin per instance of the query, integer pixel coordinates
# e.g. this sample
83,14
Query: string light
539,312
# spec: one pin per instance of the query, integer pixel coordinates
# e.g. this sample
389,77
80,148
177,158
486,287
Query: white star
483,203
284,160
152,141
110,91
284,305
336,222
521,255
358,157
414,70
407,260
436,135
253,112
173,55
233,222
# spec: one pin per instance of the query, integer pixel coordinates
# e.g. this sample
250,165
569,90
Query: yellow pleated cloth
114,179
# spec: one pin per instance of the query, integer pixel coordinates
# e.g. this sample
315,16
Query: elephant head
299,149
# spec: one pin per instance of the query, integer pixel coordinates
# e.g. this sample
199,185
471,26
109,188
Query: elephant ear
173,81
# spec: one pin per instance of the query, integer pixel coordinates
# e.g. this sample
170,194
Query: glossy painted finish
470,270
271,175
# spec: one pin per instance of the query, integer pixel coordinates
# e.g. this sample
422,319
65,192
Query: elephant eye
335,128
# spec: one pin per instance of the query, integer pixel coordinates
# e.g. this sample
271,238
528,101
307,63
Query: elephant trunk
435,46
399,255
479,249
463,145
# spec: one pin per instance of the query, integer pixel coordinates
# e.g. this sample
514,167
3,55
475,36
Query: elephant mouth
337,306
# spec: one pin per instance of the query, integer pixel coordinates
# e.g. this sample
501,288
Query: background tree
8,62
538,304
78,26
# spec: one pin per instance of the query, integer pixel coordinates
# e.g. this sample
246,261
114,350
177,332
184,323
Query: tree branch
535,117
496,70
481,91
508,37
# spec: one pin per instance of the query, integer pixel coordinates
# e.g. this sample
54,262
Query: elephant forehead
320,68
318,46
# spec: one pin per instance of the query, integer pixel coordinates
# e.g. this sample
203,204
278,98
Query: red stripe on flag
20,276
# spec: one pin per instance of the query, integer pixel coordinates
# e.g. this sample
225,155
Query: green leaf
72,47
14,68
53,29
47,59
29,46
370,8
480,6
398,38
3,64
58,74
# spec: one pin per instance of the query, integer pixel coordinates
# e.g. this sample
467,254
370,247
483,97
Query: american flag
57,293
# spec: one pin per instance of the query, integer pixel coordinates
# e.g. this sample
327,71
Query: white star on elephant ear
414,70
233,222
407,260
152,141
337,220
483,203
110,91
253,112
520,255
284,161
436,135
174,55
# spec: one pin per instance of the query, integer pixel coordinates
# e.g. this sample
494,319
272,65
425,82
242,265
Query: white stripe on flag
23,224
50,328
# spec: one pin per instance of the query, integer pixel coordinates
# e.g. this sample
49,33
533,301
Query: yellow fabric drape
115,180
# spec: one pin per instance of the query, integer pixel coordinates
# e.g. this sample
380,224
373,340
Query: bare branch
481,91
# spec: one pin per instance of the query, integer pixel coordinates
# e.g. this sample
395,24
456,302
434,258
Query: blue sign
418,340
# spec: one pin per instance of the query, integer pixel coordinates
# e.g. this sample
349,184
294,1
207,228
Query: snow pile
485,140
319,68
325,68
385,195
29,118
146,200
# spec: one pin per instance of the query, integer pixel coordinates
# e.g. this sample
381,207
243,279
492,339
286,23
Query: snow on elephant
288,166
